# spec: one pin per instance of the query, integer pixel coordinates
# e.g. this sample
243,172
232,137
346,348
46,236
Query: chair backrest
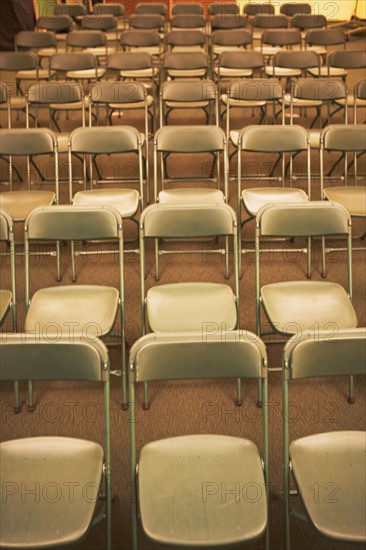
72,10
25,356
35,40
270,21
223,8
347,59
309,21
231,38
195,9
18,61
188,91
326,355
136,39
86,39
188,21
326,90
286,37
294,8
252,9
72,61
187,221
256,89
147,21
59,92
101,22
241,60
190,139
185,61
153,8
115,9
130,61
228,21
105,140
185,38
296,60
117,92
234,354
56,23
325,37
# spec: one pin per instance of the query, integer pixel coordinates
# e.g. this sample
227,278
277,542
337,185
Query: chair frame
28,355
159,350
307,357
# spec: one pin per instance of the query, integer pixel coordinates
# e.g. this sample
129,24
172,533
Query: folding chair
148,41
252,9
334,459
252,93
306,21
74,10
40,462
275,40
27,142
262,22
344,139
104,140
148,21
124,96
59,24
319,41
237,64
20,64
8,301
229,40
91,310
191,140
115,9
105,22
179,65
79,66
293,307
189,94
44,44
293,64
94,42
227,22
183,516
189,306
271,139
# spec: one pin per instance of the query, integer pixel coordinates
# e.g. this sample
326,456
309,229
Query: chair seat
126,201
217,50
301,305
182,491
100,51
233,73
141,73
46,52
18,204
351,100
187,104
74,106
89,309
5,301
186,307
61,515
191,196
340,461
87,74
323,71
281,71
320,50
241,103
152,50
288,100
193,49
180,73
253,199
353,198
41,74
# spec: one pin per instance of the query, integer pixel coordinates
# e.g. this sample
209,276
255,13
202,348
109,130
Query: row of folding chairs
214,463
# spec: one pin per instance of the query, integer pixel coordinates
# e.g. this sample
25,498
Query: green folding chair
332,463
51,461
176,481
84,311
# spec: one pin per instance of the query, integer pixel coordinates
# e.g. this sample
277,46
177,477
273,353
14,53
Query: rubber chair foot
17,409
351,400
238,402
124,406
259,404
31,408
146,406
